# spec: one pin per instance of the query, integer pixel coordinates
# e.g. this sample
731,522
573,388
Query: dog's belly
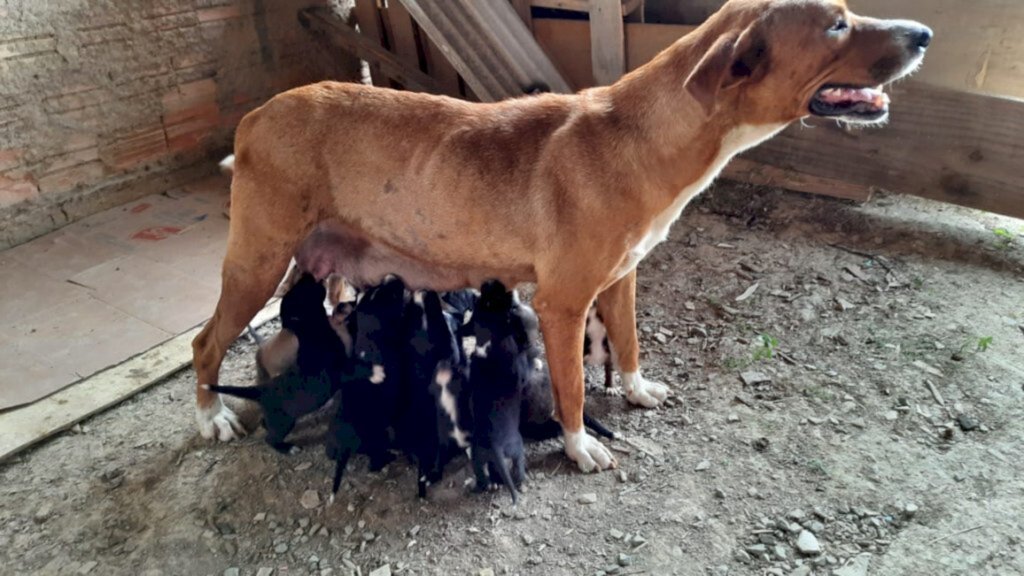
336,248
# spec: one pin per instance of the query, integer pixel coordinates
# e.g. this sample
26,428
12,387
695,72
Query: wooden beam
369,24
942,144
25,426
628,6
323,22
750,172
607,41
403,35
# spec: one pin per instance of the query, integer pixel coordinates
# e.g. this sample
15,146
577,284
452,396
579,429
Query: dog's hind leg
259,247
617,306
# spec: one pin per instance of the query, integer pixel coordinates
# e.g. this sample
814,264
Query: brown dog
568,191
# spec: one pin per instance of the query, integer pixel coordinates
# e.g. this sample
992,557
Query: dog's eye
840,26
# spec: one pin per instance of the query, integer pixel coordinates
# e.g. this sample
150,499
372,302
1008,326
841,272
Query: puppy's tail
506,476
339,470
254,335
253,393
227,165
595,425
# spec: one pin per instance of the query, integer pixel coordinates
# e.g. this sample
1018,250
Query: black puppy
537,422
499,371
312,379
436,410
371,383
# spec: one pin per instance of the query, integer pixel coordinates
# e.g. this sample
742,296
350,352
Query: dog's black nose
923,37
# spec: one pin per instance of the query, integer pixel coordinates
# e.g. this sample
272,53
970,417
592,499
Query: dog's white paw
612,391
218,421
587,452
643,392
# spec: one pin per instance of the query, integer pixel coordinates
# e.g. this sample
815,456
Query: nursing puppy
536,421
371,383
437,412
499,371
309,382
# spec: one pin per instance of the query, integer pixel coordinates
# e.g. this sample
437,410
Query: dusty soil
835,434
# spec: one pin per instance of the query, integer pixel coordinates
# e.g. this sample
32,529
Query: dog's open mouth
850,103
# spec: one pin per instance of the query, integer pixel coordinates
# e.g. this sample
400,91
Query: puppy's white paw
643,392
589,454
218,421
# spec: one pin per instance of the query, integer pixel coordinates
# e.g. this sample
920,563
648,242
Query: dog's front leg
563,326
617,306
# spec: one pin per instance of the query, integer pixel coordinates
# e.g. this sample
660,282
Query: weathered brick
219,13
71,178
133,149
10,158
21,47
15,191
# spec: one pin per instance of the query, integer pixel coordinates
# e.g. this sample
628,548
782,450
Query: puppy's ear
732,60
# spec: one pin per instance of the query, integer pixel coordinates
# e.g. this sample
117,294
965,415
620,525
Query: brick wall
105,100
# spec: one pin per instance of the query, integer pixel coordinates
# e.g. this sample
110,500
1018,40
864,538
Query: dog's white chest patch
735,142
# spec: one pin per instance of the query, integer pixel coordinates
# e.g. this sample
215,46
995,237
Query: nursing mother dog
568,191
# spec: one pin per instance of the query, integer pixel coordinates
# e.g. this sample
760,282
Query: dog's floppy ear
732,60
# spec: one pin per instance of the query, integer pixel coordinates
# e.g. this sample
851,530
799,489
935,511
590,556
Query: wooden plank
402,35
324,23
441,69
28,425
750,172
628,6
369,24
942,144
567,43
607,41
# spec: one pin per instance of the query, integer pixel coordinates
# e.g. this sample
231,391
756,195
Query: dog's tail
253,393
227,165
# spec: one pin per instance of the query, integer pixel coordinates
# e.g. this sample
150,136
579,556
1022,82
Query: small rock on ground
856,567
384,570
702,466
486,572
807,544
233,571
588,498
265,571
310,499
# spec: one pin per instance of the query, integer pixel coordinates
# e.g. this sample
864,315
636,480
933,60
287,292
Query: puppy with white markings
370,388
288,391
436,409
597,351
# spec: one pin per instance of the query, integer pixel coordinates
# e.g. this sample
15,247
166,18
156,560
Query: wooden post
607,41
369,25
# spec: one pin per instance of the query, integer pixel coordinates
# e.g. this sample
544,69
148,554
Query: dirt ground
867,395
